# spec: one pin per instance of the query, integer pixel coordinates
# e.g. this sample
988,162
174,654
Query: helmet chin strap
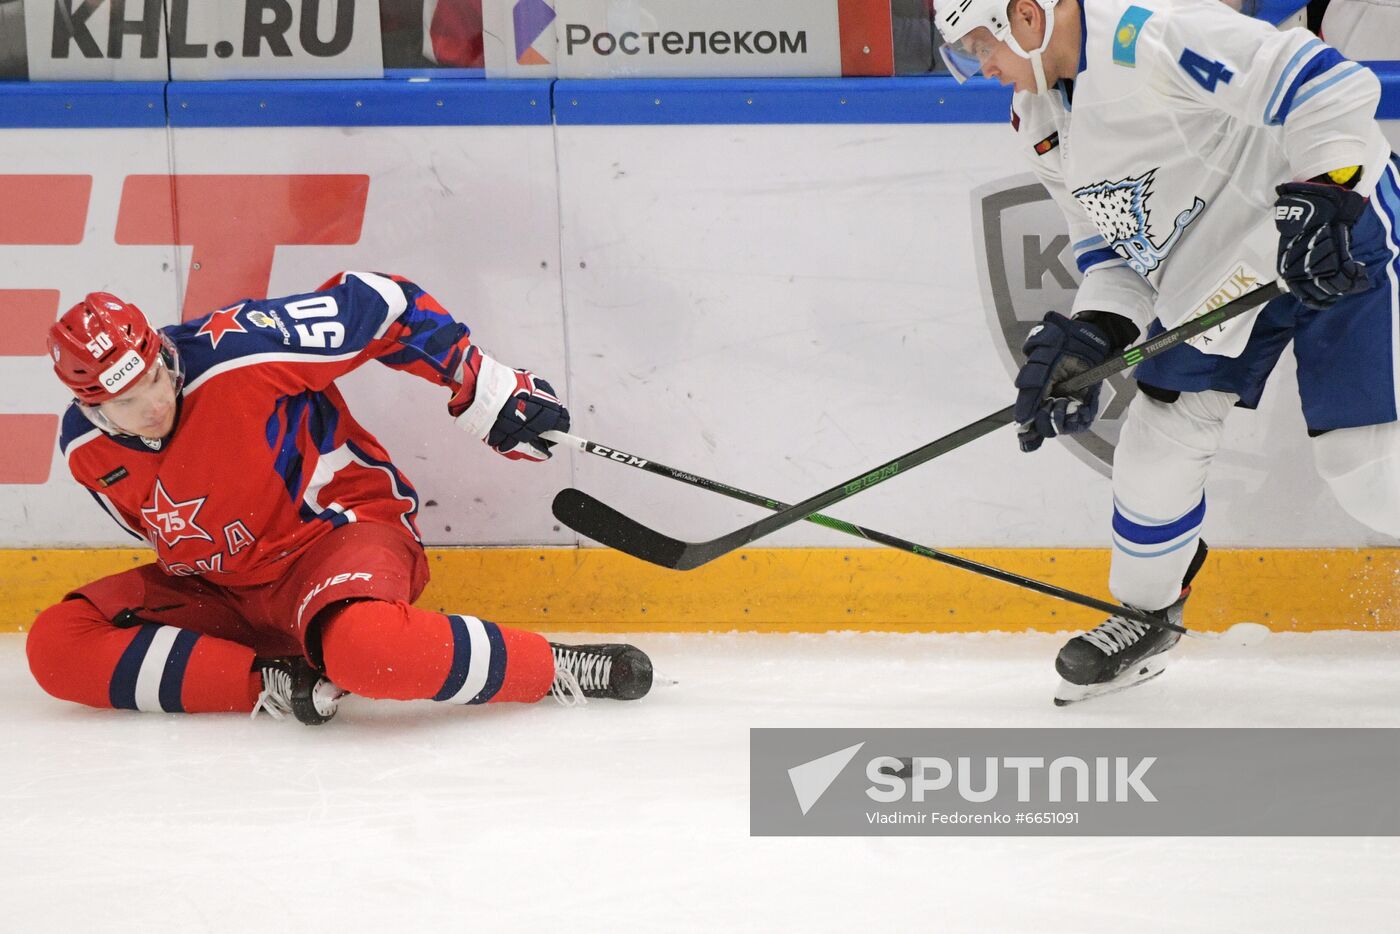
1035,56
1039,68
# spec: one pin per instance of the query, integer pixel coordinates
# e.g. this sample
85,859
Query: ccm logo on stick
622,457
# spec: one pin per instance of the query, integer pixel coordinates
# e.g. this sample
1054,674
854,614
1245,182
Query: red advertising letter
236,222
39,210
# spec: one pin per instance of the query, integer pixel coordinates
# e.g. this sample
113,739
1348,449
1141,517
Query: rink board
818,589
775,284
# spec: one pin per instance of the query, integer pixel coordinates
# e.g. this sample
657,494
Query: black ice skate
1116,654
614,670
292,686
1120,652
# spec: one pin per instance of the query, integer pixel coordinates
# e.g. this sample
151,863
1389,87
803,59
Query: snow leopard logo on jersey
1119,210
1026,267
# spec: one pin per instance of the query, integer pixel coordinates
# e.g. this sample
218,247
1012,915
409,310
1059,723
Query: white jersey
1164,152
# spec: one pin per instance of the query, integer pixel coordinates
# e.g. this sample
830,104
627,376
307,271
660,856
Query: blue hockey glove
509,410
1314,223
1057,349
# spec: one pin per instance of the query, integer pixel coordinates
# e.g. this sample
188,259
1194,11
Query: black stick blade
606,526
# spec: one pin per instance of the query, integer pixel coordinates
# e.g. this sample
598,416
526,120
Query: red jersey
265,457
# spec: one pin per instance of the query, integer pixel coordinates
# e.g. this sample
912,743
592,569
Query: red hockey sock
389,649
76,654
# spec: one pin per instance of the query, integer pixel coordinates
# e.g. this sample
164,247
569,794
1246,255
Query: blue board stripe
510,102
81,104
452,102
778,100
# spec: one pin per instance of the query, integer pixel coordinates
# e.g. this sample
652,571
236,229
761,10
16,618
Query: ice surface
634,817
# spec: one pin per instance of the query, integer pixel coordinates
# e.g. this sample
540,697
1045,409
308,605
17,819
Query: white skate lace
576,672
1115,634
276,696
566,689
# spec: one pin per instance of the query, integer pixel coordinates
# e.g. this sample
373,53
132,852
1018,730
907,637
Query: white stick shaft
566,439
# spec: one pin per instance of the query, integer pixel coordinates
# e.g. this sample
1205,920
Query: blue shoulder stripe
1308,48
1326,60
1351,69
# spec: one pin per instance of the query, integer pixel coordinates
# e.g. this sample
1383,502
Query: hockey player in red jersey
287,557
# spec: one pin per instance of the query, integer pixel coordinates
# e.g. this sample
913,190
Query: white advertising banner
680,38
781,308
138,40
775,307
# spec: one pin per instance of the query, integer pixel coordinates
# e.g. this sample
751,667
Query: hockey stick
600,522
1238,634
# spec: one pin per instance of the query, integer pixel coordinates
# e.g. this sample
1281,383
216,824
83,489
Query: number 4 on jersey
1204,71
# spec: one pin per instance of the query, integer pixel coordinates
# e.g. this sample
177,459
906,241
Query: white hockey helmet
965,46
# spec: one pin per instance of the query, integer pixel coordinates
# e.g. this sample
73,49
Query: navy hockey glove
1057,349
1314,223
509,410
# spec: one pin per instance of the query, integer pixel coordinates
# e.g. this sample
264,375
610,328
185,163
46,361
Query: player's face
146,409
1009,68
982,51
968,56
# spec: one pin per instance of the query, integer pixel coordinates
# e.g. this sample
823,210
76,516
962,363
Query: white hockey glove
509,410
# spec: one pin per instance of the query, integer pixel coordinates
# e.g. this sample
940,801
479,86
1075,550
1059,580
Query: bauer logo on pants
1074,782
331,582
1026,268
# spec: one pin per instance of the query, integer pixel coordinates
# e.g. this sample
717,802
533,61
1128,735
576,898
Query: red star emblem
172,521
221,323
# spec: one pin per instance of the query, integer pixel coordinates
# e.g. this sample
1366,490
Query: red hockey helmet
100,346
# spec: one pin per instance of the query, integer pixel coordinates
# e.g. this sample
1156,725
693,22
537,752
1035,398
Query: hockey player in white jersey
1196,154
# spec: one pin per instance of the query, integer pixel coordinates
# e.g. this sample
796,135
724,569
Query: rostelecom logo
531,18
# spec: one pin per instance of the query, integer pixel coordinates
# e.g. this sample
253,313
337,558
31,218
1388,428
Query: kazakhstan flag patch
1125,37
